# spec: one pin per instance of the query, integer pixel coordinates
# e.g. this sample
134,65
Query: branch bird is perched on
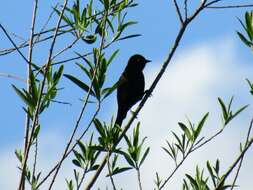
131,86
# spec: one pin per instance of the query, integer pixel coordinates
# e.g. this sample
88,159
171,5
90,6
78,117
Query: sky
210,62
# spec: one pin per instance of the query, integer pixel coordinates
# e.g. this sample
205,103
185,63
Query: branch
178,11
28,84
230,6
240,164
12,76
13,43
231,168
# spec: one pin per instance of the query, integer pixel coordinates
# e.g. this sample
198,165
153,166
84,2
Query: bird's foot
133,112
148,93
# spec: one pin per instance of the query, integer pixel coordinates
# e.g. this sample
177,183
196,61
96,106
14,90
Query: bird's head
137,62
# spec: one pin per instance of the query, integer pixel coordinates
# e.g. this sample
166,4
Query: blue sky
211,61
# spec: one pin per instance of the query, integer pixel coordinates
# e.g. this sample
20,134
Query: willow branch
28,84
178,11
240,164
230,6
13,43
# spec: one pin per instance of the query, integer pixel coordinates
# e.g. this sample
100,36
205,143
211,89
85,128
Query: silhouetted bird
131,86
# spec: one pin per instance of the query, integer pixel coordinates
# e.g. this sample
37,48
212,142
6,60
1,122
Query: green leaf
79,83
76,163
120,170
129,160
129,36
107,91
244,40
90,39
25,97
200,126
19,155
211,173
223,108
112,57
248,20
144,156
185,130
100,128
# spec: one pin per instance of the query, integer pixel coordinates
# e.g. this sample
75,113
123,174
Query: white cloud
190,87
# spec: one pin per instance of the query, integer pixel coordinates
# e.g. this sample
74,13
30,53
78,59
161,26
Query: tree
97,26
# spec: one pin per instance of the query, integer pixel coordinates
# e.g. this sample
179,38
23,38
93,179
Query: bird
130,86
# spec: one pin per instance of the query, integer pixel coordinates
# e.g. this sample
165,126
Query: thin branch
178,11
28,87
82,179
13,43
231,168
26,44
175,169
12,76
240,164
35,163
230,6
185,9
66,48
110,172
208,140
45,25
139,178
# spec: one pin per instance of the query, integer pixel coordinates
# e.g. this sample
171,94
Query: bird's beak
147,61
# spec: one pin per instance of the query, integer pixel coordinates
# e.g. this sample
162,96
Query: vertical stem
110,172
139,178
28,84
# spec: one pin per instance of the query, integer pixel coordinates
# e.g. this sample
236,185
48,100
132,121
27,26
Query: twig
185,9
230,6
139,178
45,25
66,48
13,43
231,168
35,162
240,164
28,86
110,172
61,102
12,76
208,140
82,179
178,11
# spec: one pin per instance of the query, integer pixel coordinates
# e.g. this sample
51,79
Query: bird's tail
120,117
119,121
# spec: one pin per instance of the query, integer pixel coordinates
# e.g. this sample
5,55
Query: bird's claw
133,112
148,93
